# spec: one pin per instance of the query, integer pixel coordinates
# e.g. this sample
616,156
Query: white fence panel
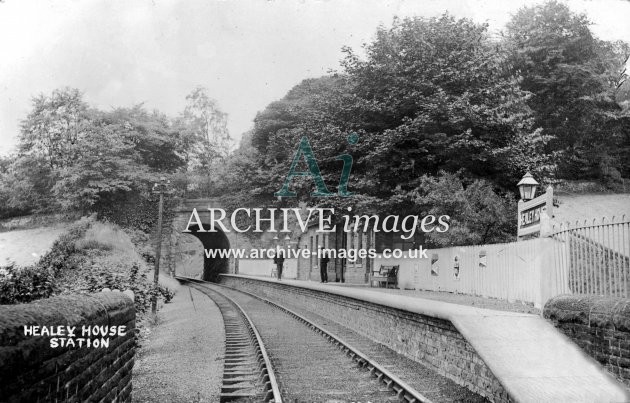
518,271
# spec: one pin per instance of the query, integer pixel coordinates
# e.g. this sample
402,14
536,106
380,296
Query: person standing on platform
279,261
339,273
323,265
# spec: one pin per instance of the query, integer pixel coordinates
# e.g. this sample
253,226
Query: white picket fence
586,258
591,258
518,271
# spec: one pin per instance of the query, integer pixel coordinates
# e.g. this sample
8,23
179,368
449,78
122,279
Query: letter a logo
304,149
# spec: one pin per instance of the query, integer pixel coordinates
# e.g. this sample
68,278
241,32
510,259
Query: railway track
299,348
247,372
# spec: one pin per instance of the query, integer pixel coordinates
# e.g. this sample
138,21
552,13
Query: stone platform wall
31,370
431,341
599,325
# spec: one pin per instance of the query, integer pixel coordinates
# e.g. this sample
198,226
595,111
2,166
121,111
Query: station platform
531,360
453,298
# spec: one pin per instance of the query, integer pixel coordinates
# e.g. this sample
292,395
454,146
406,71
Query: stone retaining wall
433,342
599,325
33,371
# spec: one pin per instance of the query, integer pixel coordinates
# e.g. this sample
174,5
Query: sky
247,53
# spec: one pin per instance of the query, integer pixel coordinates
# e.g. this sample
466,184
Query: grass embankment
88,257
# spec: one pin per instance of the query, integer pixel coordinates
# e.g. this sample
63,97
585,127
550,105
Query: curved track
306,356
247,372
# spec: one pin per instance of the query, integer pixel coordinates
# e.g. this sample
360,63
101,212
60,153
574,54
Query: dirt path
182,359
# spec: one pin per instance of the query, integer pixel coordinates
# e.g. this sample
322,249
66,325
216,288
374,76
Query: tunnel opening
212,266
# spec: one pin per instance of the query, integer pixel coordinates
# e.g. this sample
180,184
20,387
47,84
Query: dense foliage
441,110
448,119
90,256
74,157
575,81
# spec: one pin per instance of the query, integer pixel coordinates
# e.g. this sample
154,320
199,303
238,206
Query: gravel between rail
309,368
434,386
425,380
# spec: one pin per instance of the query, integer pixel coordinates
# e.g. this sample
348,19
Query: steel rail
404,391
269,377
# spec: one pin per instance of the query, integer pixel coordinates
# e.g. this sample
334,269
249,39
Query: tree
430,95
25,185
105,165
55,124
121,155
437,95
204,130
156,141
71,156
478,214
574,78
432,103
319,109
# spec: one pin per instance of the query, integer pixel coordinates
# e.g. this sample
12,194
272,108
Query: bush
169,283
106,237
87,244
25,284
142,242
108,259
62,254
90,256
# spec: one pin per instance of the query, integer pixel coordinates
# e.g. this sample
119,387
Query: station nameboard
530,213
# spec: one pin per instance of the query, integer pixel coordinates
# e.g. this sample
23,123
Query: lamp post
158,188
527,187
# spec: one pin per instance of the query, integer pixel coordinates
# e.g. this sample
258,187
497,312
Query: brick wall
599,325
31,370
433,342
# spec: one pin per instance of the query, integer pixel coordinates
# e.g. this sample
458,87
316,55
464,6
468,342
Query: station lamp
527,187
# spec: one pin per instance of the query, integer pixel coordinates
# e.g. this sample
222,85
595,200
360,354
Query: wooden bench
386,275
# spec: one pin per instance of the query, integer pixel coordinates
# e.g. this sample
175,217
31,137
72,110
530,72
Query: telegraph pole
158,188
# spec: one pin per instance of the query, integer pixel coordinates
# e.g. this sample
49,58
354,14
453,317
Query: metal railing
593,257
